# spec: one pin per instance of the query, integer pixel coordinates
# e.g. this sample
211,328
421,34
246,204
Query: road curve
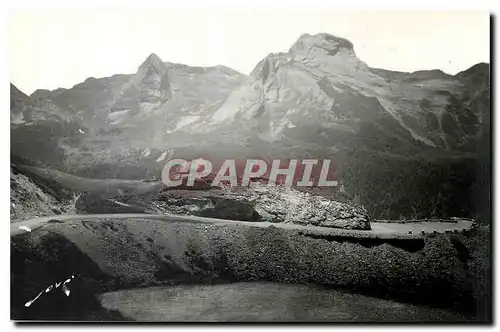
379,230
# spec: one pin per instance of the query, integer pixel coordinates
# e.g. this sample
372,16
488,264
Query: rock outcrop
260,202
284,204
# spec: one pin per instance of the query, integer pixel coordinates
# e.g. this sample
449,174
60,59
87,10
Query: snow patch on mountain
185,120
118,116
146,152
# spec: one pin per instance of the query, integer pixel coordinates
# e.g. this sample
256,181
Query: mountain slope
29,200
123,119
320,84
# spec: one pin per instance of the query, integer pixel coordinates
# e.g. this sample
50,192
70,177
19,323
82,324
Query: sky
49,49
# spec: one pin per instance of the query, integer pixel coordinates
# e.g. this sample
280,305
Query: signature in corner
64,289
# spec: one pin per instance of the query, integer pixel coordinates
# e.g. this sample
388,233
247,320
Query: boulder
285,204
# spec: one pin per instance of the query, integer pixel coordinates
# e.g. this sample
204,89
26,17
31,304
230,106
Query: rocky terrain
28,200
263,203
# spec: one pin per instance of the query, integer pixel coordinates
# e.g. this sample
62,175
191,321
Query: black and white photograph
255,165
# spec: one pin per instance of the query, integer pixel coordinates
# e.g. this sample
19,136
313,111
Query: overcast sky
60,48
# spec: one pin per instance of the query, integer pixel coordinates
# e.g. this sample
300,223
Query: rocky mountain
40,130
320,92
406,144
118,119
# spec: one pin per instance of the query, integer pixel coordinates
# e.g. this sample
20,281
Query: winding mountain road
379,230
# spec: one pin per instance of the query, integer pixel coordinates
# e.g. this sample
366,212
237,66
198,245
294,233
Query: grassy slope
449,270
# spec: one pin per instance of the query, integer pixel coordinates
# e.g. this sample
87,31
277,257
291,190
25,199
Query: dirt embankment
29,200
447,270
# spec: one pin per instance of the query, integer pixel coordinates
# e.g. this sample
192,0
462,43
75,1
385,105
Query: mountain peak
152,61
14,91
331,44
152,58
481,67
